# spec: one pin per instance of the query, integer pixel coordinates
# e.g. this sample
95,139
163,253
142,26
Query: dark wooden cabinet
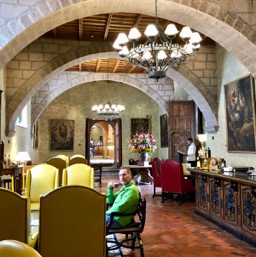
229,201
181,126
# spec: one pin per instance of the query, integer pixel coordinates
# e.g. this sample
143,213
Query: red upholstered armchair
156,164
173,180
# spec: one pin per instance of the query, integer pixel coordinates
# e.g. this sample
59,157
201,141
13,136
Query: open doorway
107,141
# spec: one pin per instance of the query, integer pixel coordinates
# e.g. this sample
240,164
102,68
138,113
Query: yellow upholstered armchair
77,159
64,157
72,223
11,248
15,217
40,180
78,174
58,163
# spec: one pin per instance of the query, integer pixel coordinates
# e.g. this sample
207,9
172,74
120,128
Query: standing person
123,201
91,149
191,154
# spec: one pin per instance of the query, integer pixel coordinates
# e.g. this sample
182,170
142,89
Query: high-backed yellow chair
11,248
58,163
78,174
72,223
77,159
40,180
15,217
64,157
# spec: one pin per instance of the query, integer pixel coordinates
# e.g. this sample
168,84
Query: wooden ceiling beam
107,26
132,69
135,25
54,32
116,66
97,65
81,29
80,66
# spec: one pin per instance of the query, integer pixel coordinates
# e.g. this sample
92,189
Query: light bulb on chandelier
159,52
108,110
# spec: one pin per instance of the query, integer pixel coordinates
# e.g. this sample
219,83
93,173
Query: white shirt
191,152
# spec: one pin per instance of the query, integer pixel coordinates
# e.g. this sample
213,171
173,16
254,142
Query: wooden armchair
173,180
132,231
72,223
156,173
16,248
40,180
78,174
15,217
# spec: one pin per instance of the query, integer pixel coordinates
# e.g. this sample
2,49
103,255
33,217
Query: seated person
124,201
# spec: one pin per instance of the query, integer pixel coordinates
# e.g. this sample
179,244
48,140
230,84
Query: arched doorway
108,141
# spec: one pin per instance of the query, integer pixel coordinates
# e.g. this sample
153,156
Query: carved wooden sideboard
229,200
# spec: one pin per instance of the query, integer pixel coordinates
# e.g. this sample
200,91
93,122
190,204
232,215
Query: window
22,120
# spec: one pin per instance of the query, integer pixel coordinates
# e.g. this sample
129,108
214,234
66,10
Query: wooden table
16,173
141,174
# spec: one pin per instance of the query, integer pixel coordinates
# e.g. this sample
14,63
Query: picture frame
61,135
35,135
240,114
164,130
140,126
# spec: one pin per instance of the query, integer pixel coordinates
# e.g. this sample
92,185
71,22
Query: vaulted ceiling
106,27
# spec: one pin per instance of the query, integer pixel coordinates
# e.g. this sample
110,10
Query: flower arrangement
143,143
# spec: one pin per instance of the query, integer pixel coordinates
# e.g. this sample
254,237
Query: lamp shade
22,157
202,137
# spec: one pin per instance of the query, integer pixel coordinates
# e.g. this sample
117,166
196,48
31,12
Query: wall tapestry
61,135
240,113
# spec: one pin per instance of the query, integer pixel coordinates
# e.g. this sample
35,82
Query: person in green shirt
123,201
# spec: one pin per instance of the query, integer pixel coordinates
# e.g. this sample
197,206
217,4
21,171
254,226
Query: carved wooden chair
132,231
156,173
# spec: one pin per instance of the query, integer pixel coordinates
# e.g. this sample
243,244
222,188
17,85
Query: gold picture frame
240,115
61,135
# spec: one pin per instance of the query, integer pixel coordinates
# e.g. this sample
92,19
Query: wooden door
181,126
117,126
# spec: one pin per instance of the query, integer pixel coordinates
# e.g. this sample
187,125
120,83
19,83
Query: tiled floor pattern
176,231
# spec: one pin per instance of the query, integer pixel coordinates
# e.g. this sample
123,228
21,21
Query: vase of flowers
143,144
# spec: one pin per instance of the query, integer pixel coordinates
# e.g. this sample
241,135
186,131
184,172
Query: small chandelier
108,110
159,52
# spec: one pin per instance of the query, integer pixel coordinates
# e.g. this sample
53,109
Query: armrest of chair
118,214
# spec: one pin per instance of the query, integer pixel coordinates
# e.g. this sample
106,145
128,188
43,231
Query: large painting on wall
139,126
61,135
240,114
164,130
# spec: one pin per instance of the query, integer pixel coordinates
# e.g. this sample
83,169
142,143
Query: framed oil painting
240,114
164,130
140,126
61,135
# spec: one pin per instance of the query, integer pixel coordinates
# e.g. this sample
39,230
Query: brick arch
214,22
206,107
87,77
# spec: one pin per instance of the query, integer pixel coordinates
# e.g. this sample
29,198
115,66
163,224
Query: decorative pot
143,157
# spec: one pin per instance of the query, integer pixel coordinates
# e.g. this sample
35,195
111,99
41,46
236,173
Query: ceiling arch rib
211,19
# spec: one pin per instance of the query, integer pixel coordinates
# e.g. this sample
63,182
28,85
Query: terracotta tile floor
172,230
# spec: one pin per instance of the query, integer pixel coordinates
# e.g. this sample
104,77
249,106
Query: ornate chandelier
108,110
159,52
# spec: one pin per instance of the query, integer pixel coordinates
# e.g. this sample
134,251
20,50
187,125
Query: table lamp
22,157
